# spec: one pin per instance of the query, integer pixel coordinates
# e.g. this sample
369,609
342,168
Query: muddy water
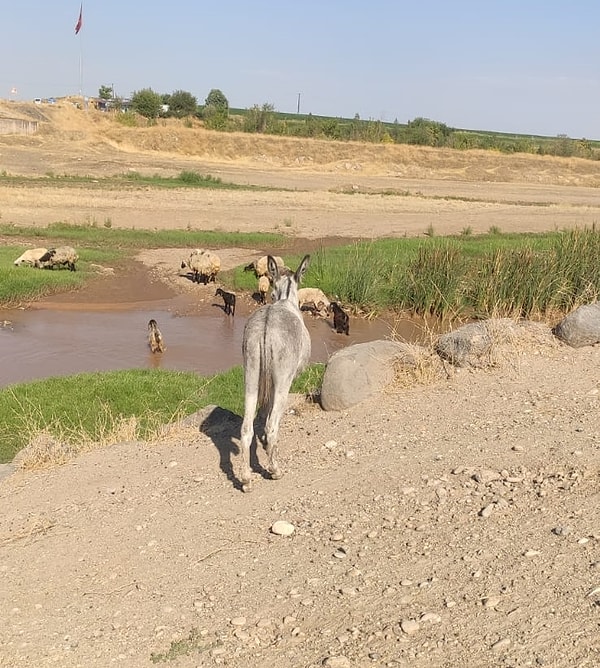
78,333
40,343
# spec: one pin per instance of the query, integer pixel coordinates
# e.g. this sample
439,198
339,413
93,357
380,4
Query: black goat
341,321
229,299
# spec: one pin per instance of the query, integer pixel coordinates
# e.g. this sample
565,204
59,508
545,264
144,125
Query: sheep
63,256
314,295
29,257
264,285
341,321
204,265
260,266
228,299
155,339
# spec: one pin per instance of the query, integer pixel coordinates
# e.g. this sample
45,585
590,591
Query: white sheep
264,285
260,268
204,265
63,256
316,297
30,257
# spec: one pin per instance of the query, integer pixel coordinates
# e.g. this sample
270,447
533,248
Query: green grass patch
22,284
93,234
89,407
99,245
130,180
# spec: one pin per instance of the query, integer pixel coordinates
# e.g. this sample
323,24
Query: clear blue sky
524,66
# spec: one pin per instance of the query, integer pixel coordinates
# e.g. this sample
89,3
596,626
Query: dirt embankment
425,189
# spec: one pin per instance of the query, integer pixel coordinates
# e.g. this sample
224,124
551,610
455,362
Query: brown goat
155,339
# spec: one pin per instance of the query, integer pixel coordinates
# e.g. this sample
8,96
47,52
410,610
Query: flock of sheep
205,265
48,258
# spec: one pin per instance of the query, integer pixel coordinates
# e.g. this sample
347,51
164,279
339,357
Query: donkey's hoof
246,487
276,474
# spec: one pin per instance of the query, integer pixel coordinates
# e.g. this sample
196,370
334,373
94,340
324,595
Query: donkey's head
285,285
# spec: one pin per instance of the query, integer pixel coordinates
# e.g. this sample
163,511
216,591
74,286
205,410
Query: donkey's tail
265,379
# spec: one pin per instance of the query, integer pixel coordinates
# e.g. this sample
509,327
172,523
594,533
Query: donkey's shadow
224,428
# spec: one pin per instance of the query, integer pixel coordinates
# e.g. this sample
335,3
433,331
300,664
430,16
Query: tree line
216,114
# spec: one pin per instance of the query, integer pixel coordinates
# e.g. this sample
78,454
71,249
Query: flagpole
77,31
80,70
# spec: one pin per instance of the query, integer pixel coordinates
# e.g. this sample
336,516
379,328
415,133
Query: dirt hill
319,188
65,122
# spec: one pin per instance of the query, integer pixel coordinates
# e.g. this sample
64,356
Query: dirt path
450,525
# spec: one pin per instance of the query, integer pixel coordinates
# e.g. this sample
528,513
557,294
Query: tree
147,103
216,110
217,100
181,104
106,92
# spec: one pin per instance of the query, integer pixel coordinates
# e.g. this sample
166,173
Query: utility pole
298,103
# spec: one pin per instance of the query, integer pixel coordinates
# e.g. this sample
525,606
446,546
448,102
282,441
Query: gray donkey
276,347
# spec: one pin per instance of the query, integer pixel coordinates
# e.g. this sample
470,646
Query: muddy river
69,334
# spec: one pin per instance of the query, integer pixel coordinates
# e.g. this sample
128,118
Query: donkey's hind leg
247,435
272,431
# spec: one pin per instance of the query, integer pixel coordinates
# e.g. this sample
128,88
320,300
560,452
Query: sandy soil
447,524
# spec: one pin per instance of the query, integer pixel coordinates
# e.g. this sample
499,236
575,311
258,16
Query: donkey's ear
273,268
302,268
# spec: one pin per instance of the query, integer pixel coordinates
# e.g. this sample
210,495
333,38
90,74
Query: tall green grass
466,276
88,406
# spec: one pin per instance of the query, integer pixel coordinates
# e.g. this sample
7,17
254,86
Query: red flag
79,20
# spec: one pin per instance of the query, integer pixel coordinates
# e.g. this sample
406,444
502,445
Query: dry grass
177,137
419,366
34,525
53,446
506,341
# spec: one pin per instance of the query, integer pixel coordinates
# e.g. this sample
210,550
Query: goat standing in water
155,339
228,301
275,347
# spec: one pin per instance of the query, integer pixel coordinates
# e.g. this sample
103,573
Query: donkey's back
275,347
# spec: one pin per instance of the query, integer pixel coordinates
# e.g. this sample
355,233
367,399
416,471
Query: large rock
485,343
360,371
581,327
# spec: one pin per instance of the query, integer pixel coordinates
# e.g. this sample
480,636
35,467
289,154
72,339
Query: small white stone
503,643
490,602
431,617
330,444
487,511
409,626
282,528
238,621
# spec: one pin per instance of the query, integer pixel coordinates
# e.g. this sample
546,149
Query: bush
147,103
